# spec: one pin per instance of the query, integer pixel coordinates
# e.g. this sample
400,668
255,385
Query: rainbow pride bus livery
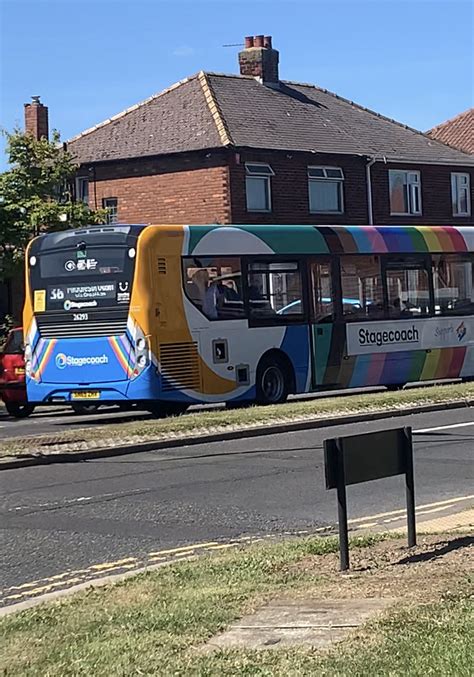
168,316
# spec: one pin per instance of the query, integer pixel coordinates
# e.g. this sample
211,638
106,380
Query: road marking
113,565
184,548
403,510
443,427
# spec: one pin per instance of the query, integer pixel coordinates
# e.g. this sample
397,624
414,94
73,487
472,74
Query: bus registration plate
86,395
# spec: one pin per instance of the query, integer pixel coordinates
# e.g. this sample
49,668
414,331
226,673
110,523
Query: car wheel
272,381
19,410
84,409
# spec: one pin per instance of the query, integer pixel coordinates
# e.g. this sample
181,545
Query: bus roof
303,239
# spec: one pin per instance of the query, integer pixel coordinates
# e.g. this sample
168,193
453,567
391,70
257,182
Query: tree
36,196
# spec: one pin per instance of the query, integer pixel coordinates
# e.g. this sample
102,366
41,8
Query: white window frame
261,171
411,191
338,180
80,181
455,197
111,218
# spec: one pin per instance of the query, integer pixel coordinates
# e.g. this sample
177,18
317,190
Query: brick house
251,148
457,132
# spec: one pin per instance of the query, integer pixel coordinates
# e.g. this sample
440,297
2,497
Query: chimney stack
36,119
260,60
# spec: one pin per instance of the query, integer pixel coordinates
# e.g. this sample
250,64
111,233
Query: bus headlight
141,344
28,367
141,362
28,352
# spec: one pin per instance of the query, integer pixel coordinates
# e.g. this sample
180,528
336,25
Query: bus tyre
272,381
19,410
165,409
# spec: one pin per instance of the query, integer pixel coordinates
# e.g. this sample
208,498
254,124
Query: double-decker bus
169,316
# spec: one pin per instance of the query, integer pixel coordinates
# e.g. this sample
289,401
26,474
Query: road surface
91,515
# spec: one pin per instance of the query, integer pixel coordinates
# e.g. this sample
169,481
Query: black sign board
362,458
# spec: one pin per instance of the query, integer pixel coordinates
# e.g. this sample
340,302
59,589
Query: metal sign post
362,458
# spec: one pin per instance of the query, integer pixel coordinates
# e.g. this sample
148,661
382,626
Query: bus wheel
272,381
19,410
165,409
85,408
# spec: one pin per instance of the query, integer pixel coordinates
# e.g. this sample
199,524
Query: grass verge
154,624
198,423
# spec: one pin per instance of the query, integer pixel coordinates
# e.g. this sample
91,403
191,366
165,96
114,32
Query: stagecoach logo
461,331
70,266
386,337
63,361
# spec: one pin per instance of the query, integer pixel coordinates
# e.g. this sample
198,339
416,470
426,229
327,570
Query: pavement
63,525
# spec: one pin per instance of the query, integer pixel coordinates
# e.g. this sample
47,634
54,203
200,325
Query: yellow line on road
113,565
184,548
403,510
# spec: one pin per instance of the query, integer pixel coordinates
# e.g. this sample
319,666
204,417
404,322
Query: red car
12,376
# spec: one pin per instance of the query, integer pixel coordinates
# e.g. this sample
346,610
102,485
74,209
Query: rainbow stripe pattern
42,354
124,353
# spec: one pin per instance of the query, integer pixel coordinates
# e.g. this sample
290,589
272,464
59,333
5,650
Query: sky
412,60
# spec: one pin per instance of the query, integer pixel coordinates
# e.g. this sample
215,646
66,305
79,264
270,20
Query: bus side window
275,291
408,288
453,282
362,289
214,286
323,304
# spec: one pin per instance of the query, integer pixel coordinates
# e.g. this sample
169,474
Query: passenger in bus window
198,286
220,293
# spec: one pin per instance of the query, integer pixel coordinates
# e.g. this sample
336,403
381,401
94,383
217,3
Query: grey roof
210,110
173,121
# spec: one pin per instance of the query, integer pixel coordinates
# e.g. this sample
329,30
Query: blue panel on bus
85,361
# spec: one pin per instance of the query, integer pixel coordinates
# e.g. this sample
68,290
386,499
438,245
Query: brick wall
289,187
210,188
435,195
189,188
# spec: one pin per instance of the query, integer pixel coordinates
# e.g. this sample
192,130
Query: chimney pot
259,60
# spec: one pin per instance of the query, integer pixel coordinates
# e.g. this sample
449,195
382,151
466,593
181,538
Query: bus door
328,336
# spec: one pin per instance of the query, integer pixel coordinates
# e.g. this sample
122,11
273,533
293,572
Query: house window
82,190
405,192
257,187
325,188
111,205
460,194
